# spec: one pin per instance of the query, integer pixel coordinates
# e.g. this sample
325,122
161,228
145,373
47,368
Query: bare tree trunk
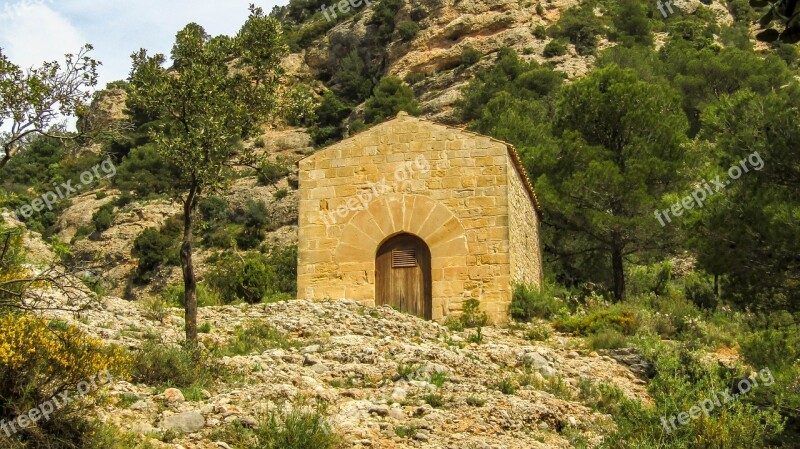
6,157
619,273
189,279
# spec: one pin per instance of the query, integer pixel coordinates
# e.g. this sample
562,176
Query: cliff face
447,28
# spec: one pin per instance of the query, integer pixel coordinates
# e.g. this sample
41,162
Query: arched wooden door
403,275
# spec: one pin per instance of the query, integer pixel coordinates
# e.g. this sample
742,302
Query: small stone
222,444
310,349
142,428
174,396
188,422
248,421
319,368
140,406
380,410
535,360
421,437
548,371
399,395
397,413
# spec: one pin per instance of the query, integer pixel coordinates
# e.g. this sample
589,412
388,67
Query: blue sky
32,31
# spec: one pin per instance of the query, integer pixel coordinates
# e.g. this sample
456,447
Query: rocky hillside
392,380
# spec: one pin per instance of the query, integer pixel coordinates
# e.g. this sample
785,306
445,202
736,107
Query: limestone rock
189,422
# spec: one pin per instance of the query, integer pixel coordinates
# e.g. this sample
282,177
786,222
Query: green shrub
437,378
206,297
540,32
352,82
155,308
254,283
618,317
269,173
607,339
355,127
631,24
154,248
408,370
681,382
538,333
472,316
539,8
406,431
329,117
170,366
283,261
280,194
103,218
774,341
470,56
408,30
580,25
256,219
453,323
390,97
788,52
529,302
477,337
505,386
255,338
256,278
302,427
473,401
418,14
414,77
554,48
383,18
145,172
700,292
435,400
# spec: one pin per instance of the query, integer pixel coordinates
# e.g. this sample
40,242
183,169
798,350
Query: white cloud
31,32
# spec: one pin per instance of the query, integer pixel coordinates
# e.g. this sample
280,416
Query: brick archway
395,214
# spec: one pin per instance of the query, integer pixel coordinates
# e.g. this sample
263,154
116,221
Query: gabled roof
517,162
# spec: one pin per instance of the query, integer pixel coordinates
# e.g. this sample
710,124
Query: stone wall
524,236
447,186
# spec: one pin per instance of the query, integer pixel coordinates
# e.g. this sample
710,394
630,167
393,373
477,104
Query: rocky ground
348,355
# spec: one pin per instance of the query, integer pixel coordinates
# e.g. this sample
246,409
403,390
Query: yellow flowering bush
39,360
28,343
